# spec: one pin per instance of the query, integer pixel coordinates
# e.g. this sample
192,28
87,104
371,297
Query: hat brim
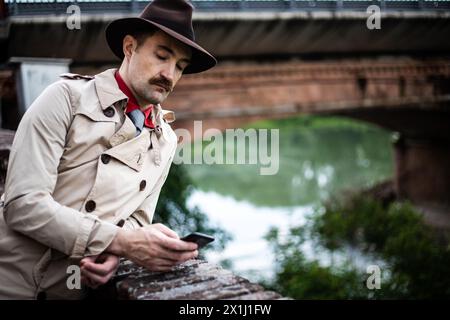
201,60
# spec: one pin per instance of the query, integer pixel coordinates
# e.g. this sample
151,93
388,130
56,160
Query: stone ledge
192,280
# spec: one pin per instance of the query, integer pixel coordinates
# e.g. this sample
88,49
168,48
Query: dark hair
143,34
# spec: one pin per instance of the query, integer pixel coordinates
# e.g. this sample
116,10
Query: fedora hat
173,17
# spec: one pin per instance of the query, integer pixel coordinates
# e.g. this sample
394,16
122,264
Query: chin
156,99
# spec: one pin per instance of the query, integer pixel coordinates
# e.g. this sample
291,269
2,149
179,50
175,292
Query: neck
123,73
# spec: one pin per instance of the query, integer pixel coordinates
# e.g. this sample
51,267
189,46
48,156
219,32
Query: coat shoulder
77,84
81,89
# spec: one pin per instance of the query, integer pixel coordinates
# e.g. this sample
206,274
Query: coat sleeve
29,207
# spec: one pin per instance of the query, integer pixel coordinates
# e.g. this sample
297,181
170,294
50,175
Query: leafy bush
416,257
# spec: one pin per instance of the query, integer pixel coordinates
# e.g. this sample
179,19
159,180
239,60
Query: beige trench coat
75,170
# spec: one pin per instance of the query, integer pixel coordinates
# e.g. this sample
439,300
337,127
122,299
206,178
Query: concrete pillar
422,171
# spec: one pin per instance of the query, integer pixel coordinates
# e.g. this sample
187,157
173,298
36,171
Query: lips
162,87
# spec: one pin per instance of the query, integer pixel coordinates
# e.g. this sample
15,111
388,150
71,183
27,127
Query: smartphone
199,238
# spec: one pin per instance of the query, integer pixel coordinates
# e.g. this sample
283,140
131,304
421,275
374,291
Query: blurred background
360,93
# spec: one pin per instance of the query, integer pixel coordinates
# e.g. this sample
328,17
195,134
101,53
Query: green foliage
416,259
173,211
302,279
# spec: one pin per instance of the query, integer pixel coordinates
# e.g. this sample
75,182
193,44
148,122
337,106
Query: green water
318,157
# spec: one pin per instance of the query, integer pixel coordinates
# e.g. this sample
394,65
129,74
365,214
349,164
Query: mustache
162,82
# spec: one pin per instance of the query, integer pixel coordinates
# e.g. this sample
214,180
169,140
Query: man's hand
154,247
97,270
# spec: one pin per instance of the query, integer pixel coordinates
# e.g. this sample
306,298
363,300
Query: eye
161,57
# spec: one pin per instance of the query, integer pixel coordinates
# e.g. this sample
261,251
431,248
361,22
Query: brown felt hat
174,17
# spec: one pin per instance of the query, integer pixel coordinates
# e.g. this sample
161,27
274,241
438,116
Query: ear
129,46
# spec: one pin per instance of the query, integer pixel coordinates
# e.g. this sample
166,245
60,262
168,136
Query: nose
169,71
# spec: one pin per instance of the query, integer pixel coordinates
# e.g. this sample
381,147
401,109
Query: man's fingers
93,277
178,245
97,268
109,265
88,259
167,231
178,256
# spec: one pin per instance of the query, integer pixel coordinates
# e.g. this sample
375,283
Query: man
91,155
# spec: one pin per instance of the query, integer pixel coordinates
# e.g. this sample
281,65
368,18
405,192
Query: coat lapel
133,151
126,132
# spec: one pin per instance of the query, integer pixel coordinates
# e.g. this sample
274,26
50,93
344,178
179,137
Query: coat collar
108,91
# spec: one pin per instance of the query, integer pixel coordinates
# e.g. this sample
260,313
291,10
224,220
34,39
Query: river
319,157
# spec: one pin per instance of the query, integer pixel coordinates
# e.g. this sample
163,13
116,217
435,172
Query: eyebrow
169,50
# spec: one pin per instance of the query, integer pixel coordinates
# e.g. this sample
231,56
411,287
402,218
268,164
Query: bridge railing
48,7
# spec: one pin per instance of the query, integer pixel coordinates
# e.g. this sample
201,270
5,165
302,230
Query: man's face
155,67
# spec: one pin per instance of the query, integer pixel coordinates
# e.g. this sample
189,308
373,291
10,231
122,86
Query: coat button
105,158
109,112
142,185
90,206
41,295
